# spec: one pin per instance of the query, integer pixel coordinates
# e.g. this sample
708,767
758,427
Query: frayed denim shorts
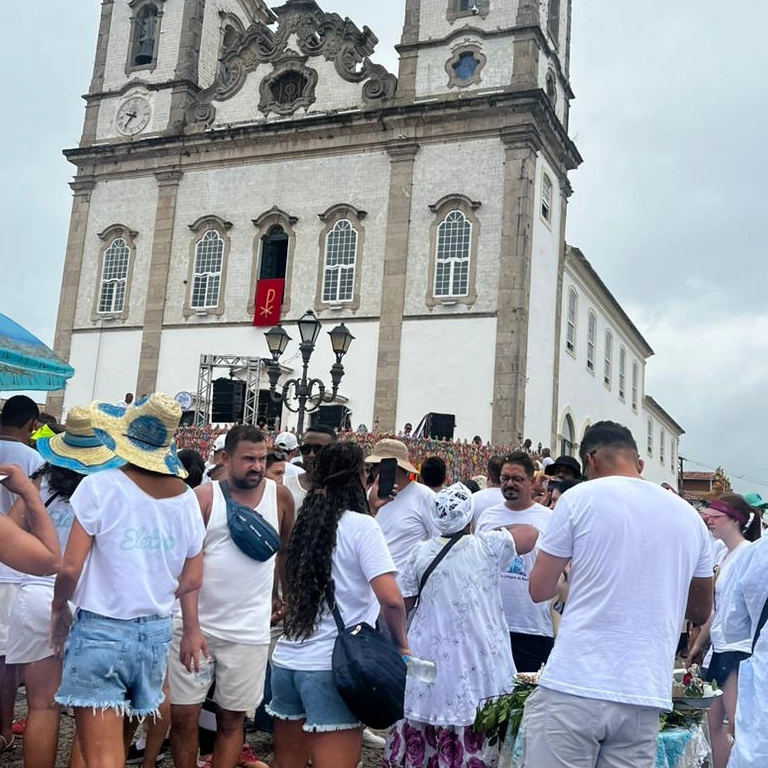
312,697
116,664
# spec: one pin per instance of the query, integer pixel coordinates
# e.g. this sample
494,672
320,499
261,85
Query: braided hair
336,488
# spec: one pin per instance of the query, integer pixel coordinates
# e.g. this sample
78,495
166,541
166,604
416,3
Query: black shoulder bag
368,672
760,624
252,534
440,555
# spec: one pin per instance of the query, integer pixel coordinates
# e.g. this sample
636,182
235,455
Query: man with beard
530,624
223,633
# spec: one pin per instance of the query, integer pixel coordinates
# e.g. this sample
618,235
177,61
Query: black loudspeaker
440,426
228,404
187,419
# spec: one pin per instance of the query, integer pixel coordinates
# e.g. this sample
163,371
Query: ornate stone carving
316,34
290,87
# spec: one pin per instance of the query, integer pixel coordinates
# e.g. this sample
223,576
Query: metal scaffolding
252,370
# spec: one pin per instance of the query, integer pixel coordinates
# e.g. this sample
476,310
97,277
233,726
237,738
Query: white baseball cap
218,443
287,441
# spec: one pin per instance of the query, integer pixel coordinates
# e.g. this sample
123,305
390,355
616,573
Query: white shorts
238,670
8,594
30,625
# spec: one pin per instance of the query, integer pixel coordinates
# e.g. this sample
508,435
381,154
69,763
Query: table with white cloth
676,748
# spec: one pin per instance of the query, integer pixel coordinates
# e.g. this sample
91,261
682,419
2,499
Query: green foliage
502,714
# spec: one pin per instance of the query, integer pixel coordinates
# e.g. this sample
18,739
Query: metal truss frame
250,369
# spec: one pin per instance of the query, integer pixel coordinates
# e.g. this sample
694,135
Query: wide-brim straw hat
142,434
78,448
388,448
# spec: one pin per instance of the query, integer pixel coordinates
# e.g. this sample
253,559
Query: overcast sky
669,205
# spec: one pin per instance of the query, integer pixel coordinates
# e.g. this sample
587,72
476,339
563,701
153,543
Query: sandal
5,745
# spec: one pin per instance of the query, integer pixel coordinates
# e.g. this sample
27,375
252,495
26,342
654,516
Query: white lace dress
460,625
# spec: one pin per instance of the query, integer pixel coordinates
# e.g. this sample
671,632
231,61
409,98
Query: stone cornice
168,178
390,129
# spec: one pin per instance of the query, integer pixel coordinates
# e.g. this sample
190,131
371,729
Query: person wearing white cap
458,625
135,544
216,460
289,445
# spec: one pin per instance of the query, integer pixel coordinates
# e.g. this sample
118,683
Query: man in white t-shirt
224,631
639,561
491,495
17,422
530,624
406,516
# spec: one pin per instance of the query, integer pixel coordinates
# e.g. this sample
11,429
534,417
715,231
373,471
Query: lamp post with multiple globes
308,393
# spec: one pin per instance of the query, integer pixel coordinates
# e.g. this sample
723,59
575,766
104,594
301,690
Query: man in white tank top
223,632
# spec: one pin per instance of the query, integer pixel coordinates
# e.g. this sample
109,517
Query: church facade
227,143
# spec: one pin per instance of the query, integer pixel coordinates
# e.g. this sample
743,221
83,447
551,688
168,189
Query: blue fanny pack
252,534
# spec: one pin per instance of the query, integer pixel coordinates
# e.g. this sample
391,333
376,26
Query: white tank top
235,601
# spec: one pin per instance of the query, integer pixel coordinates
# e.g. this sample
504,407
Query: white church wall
160,105
304,188
106,364
545,257
583,392
181,348
115,77
434,23
130,202
446,366
474,169
433,78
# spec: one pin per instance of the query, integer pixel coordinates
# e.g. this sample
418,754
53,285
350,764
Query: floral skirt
411,744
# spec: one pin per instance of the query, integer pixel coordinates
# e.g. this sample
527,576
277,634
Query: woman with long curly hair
336,547
732,521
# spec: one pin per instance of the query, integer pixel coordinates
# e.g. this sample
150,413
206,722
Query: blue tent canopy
27,363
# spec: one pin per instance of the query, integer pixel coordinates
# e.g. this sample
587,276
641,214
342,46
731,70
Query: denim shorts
115,664
310,696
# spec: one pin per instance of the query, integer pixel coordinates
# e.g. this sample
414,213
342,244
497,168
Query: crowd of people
128,593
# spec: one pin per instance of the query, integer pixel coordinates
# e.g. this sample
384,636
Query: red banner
269,302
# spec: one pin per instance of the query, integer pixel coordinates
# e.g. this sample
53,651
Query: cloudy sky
669,115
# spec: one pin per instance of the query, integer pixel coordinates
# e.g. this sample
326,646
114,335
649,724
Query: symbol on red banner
269,302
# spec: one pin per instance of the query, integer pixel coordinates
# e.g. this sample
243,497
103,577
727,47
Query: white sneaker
371,739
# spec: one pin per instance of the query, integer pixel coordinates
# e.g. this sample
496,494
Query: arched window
208,254
209,258
622,374
649,437
274,254
568,437
454,243
145,35
454,238
635,384
273,250
114,277
570,330
608,362
340,263
546,198
591,340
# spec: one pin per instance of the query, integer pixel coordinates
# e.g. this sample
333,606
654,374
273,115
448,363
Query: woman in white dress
460,626
730,520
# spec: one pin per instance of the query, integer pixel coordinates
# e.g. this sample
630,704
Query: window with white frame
206,276
608,361
340,263
672,455
114,277
546,198
649,438
591,340
635,384
570,331
662,445
454,240
622,374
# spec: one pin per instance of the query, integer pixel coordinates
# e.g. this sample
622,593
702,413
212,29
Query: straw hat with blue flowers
77,448
142,434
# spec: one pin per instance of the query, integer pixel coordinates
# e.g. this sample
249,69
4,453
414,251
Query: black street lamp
303,389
